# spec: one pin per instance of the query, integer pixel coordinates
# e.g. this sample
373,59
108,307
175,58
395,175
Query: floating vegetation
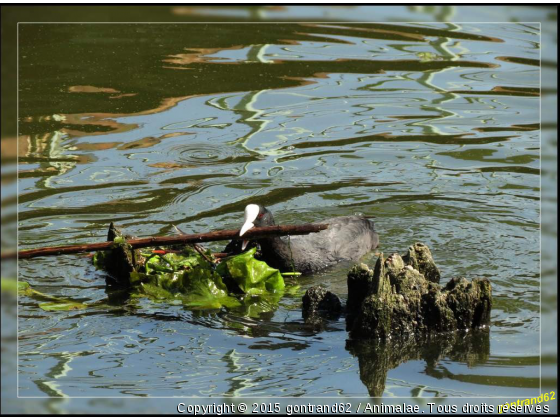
50,303
192,277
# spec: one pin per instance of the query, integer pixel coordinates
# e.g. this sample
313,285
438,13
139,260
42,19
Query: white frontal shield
251,213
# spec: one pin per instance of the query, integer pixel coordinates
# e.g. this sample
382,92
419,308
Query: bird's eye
260,215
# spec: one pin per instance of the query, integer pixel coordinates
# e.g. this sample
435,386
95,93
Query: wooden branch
218,235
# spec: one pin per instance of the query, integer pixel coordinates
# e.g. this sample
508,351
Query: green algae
189,277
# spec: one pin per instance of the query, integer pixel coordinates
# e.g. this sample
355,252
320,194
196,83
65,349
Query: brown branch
217,255
197,247
218,235
200,250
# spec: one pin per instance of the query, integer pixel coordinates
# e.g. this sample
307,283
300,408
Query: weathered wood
397,300
218,235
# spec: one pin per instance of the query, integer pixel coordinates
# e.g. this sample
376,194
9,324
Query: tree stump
402,297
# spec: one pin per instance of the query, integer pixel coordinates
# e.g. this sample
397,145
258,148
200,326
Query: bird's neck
278,252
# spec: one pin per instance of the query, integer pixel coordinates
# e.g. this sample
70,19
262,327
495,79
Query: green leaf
99,259
24,289
63,305
251,275
155,292
254,306
187,278
293,290
50,303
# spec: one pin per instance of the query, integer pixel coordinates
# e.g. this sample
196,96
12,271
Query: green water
432,128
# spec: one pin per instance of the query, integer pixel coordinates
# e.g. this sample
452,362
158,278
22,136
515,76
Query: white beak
251,213
246,226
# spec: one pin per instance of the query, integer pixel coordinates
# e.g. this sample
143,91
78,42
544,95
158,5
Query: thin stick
197,247
218,235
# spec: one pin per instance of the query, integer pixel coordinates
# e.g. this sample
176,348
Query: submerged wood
218,235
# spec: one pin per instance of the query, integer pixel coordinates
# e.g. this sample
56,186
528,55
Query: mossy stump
120,260
318,303
419,257
402,297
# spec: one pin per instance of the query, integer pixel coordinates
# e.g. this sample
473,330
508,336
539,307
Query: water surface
432,128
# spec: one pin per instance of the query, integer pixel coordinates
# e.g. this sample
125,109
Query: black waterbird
347,238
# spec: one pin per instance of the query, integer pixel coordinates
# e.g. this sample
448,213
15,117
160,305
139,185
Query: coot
346,238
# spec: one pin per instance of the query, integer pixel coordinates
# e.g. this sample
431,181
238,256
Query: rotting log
401,297
396,300
218,235
420,258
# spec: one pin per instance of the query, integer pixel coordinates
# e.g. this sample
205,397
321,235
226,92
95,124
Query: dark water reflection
468,354
434,129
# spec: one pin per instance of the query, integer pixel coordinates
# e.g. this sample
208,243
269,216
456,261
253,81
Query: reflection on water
434,129
468,351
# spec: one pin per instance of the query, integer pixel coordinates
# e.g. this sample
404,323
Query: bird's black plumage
347,238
